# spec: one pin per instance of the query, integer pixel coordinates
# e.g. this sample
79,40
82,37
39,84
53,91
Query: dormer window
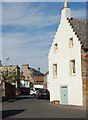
55,48
73,67
71,42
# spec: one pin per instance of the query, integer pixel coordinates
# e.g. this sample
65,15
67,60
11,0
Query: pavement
69,106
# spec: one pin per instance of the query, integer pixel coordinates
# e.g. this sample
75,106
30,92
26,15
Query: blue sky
28,29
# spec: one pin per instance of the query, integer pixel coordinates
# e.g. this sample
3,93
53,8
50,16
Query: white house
24,83
65,60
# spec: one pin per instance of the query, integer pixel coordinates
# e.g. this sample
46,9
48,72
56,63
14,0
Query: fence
8,91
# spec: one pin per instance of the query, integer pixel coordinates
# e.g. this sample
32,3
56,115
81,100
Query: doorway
64,95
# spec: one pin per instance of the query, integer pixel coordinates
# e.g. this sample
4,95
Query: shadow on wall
9,113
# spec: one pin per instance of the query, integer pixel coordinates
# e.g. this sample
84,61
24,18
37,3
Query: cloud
42,0
27,15
28,34
0,46
34,14
22,48
0,13
28,31
80,13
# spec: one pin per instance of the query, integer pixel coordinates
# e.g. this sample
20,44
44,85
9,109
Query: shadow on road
8,113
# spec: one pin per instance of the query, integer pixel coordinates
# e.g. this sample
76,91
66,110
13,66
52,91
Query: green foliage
9,75
31,85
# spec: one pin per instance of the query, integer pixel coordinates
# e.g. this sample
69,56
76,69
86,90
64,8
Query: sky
43,0
28,29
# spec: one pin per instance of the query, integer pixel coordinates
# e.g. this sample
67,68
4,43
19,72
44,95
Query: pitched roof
80,28
35,72
37,76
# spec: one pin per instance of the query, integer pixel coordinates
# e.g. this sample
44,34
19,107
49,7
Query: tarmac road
31,107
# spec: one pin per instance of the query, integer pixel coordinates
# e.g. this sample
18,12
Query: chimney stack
65,4
66,11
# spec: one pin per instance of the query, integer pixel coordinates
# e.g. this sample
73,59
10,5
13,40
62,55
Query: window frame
55,70
55,48
71,42
72,67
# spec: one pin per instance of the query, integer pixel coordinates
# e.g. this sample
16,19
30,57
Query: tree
9,76
31,85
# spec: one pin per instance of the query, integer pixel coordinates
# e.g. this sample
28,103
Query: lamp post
7,59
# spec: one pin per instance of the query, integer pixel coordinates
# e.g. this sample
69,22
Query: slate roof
80,28
35,72
37,76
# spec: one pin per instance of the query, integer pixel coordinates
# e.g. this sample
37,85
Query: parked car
32,92
43,93
37,89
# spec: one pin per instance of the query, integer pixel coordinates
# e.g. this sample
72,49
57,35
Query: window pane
71,42
55,70
73,69
55,47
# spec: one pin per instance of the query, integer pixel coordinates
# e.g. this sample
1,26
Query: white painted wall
62,58
38,86
24,83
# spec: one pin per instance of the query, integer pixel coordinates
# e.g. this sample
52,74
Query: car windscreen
43,90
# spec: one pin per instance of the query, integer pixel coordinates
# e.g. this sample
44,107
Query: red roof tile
38,78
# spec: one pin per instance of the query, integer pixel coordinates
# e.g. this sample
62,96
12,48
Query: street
31,107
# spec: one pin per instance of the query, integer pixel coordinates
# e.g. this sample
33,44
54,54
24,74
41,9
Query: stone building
46,80
84,63
26,73
32,75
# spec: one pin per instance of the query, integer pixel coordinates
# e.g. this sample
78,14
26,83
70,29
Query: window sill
71,47
73,74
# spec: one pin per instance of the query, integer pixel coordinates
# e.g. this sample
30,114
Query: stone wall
45,80
27,73
8,91
84,62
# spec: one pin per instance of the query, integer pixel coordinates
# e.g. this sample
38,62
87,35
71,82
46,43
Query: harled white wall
62,58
